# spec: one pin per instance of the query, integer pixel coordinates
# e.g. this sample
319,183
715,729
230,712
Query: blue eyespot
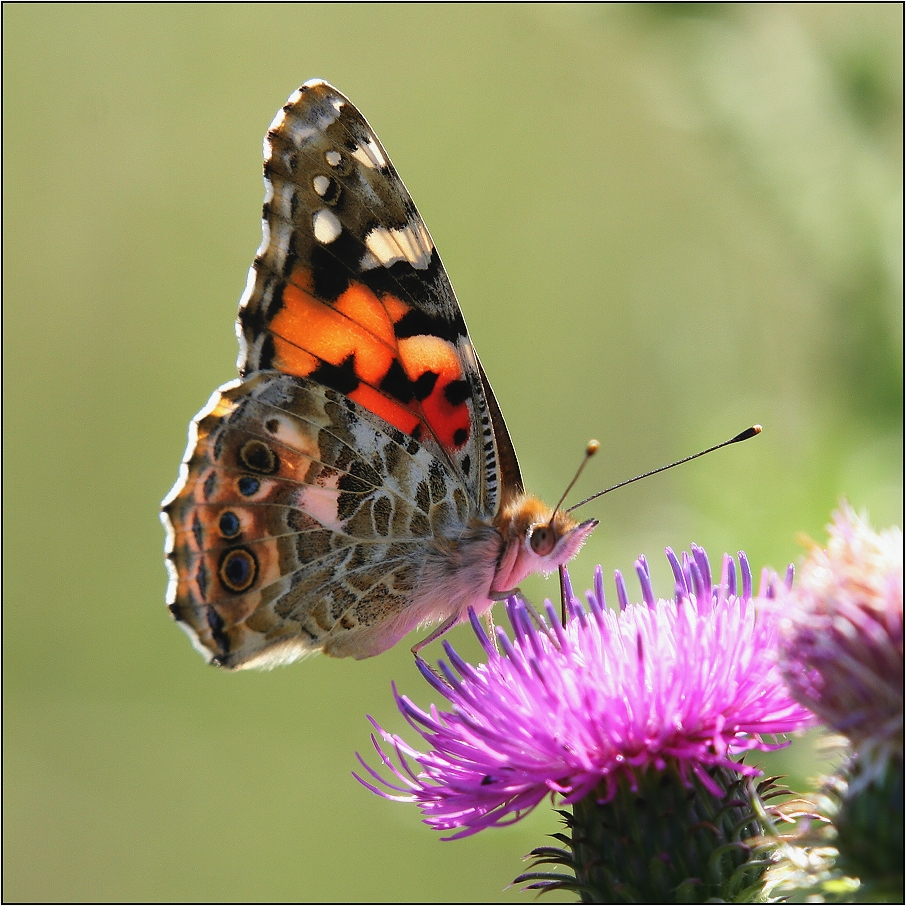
248,486
230,525
238,569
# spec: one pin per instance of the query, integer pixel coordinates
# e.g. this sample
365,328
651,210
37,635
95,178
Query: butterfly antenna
743,435
591,448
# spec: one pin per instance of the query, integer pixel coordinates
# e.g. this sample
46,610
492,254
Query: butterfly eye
542,540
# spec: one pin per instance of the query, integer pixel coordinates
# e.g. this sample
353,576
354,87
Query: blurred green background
663,223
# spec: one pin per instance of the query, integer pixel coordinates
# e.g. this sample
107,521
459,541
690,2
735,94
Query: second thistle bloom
841,634
587,708
842,655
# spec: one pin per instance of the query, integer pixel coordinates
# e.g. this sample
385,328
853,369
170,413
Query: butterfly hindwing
302,521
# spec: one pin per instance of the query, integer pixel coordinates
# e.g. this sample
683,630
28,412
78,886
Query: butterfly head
536,539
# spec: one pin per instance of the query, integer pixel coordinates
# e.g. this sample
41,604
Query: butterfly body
358,481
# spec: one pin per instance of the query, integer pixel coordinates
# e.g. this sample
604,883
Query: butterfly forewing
347,288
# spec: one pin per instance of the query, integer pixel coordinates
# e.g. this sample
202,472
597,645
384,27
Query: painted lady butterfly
358,480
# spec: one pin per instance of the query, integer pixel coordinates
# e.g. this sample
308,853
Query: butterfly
357,481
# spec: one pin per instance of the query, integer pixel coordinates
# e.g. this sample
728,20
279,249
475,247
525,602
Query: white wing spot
333,158
369,154
410,243
326,226
321,184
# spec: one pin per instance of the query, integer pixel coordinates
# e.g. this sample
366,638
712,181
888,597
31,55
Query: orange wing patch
413,382
357,325
445,406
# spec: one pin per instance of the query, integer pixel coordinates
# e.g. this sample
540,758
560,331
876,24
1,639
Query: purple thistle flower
687,683
841,635
841,652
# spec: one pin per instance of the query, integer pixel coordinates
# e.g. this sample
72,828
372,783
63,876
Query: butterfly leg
489,624
561,572
489,616
444,628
